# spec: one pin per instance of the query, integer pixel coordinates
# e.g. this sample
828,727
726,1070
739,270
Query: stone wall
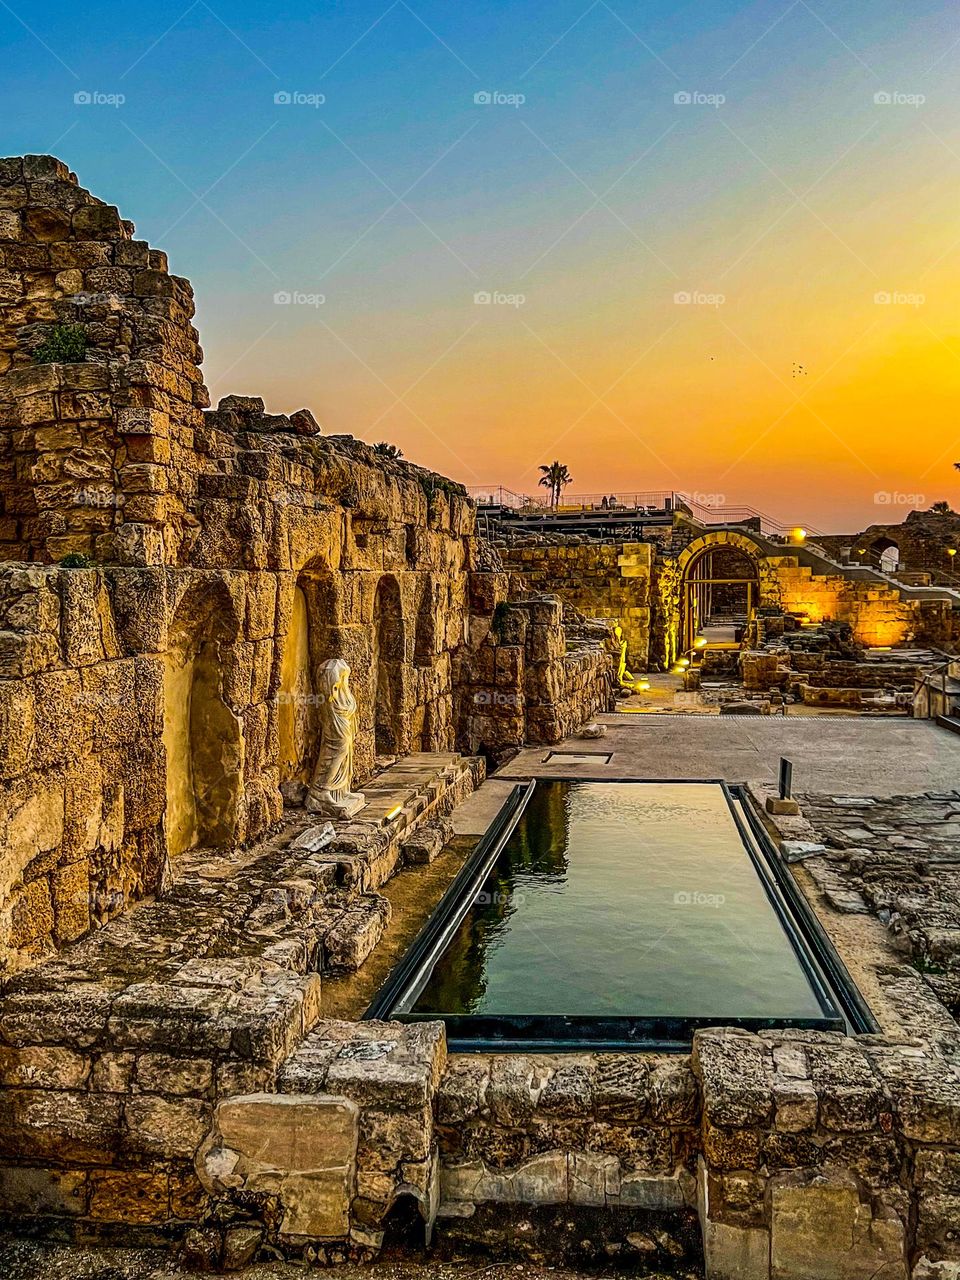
612,581
174,576
640,585
807,1156
583,1132
922,539
144,707
876,613
533,677
99,454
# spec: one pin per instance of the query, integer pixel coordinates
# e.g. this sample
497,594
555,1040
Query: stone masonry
174,575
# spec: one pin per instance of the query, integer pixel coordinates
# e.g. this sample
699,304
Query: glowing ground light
395,812
798,535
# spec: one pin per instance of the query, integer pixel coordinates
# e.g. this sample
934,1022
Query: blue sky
251,197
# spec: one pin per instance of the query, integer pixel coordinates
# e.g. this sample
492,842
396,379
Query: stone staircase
812,557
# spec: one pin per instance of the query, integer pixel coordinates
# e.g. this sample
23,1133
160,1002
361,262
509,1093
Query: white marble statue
329,793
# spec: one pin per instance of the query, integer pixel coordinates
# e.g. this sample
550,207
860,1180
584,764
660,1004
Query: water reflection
622,899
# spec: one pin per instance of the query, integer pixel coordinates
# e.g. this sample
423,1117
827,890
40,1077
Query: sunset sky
815,372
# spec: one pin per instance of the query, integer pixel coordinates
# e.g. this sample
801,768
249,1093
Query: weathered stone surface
42,1191
822,1229
298,1147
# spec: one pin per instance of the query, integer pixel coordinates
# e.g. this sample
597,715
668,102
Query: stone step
227,963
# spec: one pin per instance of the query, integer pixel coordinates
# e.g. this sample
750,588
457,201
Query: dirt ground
26,1260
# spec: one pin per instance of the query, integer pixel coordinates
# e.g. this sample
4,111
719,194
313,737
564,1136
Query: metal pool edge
446,917
815,937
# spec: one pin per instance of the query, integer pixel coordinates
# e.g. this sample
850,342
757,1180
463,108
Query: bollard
786,778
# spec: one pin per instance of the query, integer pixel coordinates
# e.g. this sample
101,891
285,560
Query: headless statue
329,793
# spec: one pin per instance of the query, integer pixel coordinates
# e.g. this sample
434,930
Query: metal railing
648,500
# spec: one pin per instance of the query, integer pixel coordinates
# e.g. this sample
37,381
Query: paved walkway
847,755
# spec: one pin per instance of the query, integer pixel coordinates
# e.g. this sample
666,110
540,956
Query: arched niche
387,674
202,734
309,642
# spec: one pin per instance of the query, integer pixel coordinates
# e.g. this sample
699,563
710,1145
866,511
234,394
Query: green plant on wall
433,484
76,560
64,344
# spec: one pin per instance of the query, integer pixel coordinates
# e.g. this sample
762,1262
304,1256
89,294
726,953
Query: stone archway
884,554
202,734
687,584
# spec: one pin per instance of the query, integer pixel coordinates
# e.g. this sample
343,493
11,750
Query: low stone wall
586,1132
802,1156
808,1156
533,678
140,1073
602,580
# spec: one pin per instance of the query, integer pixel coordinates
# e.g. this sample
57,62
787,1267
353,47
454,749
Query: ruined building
172,577
187,955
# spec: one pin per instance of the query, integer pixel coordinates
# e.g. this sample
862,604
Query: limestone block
39,1125
137,544
26,655
113,1073
396,1068
158,1127
43,1068
821,1229
938,1221
426,843
463,1089
735,1073
25,1191
31,913
157,1073
33,824
301,1148
646,1191
99,222
129,1196
75,1016
732,1252
795,1102
851,1094
356,934
925,1093
70,892
593,1179
388,1138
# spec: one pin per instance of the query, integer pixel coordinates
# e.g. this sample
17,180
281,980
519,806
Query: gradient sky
798,202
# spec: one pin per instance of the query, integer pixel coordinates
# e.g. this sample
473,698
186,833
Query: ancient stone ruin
188,948
175,577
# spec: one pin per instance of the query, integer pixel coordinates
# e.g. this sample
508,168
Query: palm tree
555,477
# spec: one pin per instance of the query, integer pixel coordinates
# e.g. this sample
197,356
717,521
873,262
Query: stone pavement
898,859
842,755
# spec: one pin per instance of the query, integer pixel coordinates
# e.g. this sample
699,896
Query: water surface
622,900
